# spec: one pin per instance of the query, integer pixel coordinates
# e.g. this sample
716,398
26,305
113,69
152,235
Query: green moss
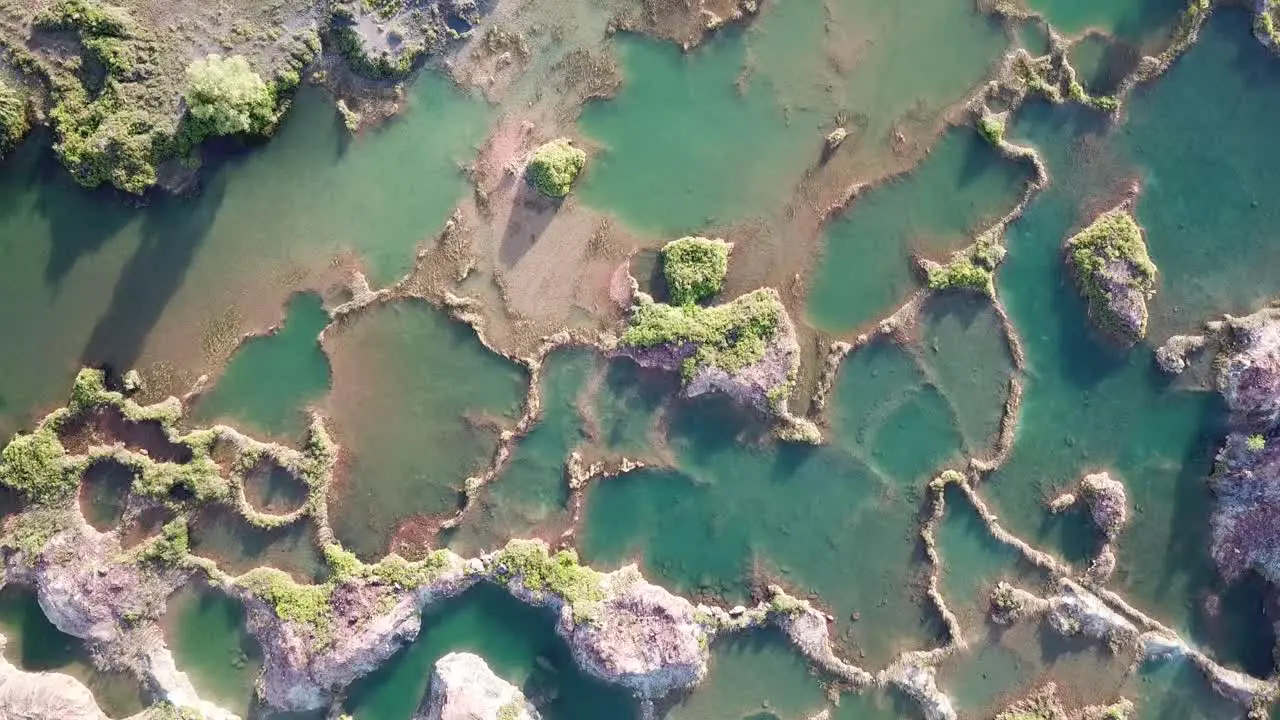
730,336
342,562
694,268
165,710
992,128
554,167
1113,236
1255,443
33,464
171,548
785,605
560,574
201,478
303,604
510,711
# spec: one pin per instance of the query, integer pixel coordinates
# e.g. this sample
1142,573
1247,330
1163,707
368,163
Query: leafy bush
1255,443
226,97
14,121
730,336
32,464
961,274
555,166
992,128
694,268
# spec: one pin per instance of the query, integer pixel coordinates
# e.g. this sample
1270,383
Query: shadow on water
171,234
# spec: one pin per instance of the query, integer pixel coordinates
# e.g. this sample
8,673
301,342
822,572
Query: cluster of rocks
1109,509
1246,479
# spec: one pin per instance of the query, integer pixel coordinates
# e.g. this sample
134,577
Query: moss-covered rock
694,268
1110,262
554,167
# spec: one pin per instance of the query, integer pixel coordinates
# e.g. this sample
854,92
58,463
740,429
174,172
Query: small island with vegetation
1116,276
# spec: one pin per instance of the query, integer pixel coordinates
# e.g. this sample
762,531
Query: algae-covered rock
1110,262
554,166
464,688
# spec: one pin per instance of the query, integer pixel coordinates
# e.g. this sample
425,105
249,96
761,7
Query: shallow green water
1086,407
221,535
104,491
107,282
206,632
35,645
757,676
879,64
414,399
679,127
271,379
724,501
1130,19
866,270
518,643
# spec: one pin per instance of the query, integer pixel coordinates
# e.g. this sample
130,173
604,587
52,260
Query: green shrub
14,121
730,336
559,574
695,268
171,548
555,166
1255,443
961,274
992,128
33,465
304,604
226,97
90,18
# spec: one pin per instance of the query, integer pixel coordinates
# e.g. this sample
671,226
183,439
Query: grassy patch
554,167
30,531
303,604
729,336
992,128
695,268
33,465
14,119
560,574
172,547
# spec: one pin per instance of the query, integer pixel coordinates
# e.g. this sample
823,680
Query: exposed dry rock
1108,502
44,696
921,683
464,688
1246,480
1174,356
